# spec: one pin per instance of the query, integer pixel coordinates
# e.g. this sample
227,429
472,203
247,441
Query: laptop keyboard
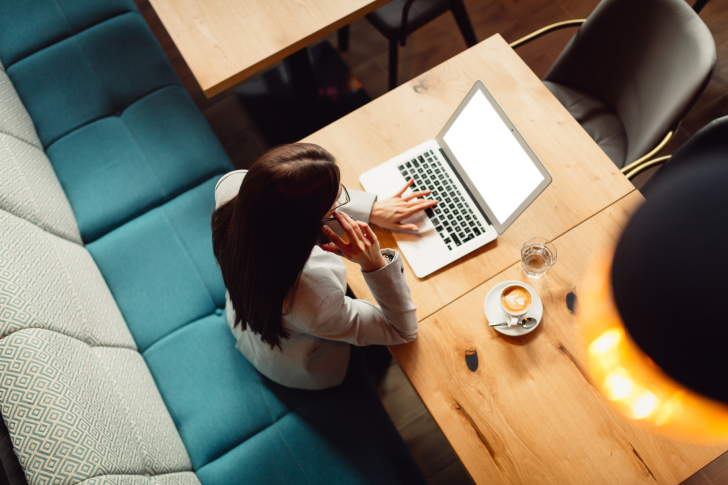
453,217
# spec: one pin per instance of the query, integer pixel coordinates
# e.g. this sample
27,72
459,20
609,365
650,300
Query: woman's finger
355,226
414,195
368,232
347,226
408,227
334,237
415,208
404,189
331,248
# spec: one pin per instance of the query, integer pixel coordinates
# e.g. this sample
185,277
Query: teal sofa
116,362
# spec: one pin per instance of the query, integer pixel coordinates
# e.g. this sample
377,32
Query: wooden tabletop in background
585,181
224,42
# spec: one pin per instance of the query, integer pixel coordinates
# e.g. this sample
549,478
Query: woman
286,302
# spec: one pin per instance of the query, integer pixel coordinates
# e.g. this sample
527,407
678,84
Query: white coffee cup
515,300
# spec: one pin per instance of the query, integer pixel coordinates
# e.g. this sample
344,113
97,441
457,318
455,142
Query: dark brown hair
263,237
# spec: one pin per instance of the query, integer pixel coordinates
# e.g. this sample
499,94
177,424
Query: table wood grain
225,42
585,181
529,413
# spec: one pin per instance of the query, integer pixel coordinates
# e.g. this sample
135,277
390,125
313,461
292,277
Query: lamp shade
654,312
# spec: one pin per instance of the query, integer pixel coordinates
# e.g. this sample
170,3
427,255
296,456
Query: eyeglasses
343,199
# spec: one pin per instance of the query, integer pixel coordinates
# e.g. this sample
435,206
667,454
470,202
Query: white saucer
495,314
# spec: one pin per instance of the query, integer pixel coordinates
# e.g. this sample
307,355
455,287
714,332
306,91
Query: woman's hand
363,246
389,213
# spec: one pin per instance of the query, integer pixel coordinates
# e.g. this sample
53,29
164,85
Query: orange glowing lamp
631,381
654,312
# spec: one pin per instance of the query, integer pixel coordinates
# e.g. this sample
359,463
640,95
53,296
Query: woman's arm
341,318
358,322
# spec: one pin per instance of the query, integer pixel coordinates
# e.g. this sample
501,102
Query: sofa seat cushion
97,72
118,167
28,27
51,283
240,427
160,266
75,412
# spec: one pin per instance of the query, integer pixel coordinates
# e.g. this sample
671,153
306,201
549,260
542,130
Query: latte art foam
516,299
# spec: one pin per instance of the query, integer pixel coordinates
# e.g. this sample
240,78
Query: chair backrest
709,146
649,60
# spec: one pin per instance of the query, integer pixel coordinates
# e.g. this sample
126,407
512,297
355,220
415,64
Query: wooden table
224,42
585,181
529,413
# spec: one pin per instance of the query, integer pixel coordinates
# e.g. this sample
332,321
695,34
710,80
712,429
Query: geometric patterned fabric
68,418
184,478
48,282
158,439
29,187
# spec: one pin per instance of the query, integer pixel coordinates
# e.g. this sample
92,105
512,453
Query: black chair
709,146
399,18
631,73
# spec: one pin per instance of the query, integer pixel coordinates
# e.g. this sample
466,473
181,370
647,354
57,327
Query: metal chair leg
463,21
343,38
393,63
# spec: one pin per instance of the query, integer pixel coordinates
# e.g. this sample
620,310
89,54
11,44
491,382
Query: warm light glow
604,350
646,403
606,341
617,385
631,381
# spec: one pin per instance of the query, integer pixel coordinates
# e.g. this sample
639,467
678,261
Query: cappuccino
516,299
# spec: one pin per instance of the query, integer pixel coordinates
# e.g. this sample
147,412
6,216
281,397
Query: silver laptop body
480,169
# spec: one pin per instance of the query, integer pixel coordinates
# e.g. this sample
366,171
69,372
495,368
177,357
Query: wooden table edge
219,87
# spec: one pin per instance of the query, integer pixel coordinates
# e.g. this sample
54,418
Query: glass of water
537,256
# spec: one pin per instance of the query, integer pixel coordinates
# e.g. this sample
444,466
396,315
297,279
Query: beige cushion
73,413
153,427
184,478
49,282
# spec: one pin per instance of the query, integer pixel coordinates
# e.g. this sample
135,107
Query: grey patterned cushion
185,478
29,187
48,282
71,417
158,438
77,398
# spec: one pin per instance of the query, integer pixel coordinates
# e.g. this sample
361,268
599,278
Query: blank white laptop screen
491,156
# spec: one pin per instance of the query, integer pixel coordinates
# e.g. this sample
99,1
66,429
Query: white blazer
323,321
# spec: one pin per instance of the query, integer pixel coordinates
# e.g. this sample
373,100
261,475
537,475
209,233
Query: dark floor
367,58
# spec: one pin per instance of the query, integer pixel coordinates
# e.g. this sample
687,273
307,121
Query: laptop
480,169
